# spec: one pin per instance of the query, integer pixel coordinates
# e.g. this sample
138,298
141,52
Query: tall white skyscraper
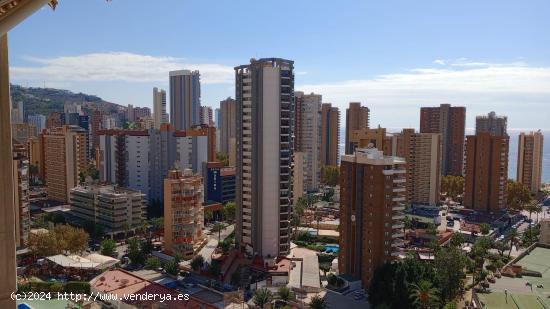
265,108
185,99
159,107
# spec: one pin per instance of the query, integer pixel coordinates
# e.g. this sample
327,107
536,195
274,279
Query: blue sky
393,56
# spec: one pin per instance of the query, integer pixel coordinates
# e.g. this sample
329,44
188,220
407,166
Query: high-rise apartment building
97,118
207,116
124,158
131,116
372,195
54,120
217,117
35,154
357,118
112,207
141,112
22,131
298,175
38,121
64,158
450,122
228,124
307,139
265,123
183,213
140,159
159,107
185,99
492,124
422,153
21,193
330,137
72,108
530,150
17,113
486,170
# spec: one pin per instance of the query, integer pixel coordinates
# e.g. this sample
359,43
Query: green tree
197,262
171,267
158,223
126,229
223,158
218,227
229,211
485,229
424,295
330,175
392,282
449,265
284,293
457,240
318,302
135,254
71,239
262,297
452,186
512,240
108,247
325,267
152,262
146,247
500,246
517,195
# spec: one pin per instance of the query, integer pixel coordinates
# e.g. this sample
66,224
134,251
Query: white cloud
117,66
515,89
440,61
505,82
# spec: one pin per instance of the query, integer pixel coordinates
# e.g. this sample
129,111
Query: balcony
399,180
397,234
399,199
398,217
399,189
399,225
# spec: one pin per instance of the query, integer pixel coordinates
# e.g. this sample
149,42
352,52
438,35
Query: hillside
47,100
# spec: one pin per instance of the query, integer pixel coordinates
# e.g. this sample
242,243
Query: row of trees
62,239
330,175
452,186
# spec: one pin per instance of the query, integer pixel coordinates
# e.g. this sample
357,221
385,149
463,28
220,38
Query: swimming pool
332,248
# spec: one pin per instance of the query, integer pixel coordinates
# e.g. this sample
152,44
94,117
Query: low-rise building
219,182
114,208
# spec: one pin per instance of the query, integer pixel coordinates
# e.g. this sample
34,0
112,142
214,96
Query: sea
513,152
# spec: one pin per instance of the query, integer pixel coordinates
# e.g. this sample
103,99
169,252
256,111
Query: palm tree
317,302
218,227
318,218
262,297
513,239
424,295
284,293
